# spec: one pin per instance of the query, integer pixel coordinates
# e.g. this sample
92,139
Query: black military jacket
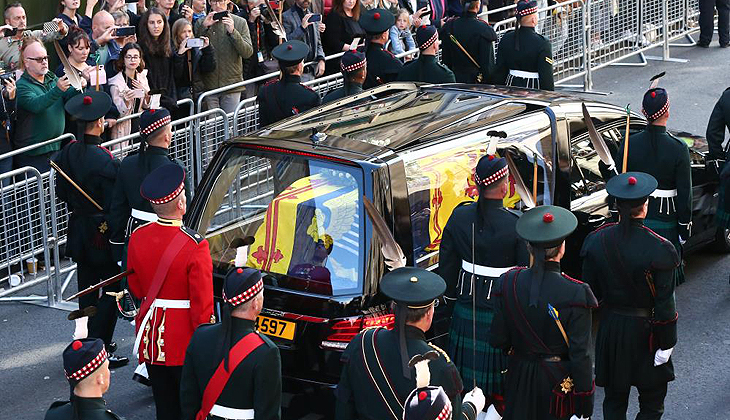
363,382
346,90
496,245
383,66
255,384
719,121
477,38
631,269
94,169
535,55
666,158
87,409
133,170
426,69
283,98
531,335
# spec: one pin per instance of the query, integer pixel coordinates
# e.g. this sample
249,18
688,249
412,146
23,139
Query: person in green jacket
427,68
40,99
231,40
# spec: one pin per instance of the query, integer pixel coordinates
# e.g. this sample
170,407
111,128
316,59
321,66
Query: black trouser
103,323
166,390
651,403
707,20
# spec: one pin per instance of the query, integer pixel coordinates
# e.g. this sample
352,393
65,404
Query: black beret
546,226
163,184
241,285
655,103
83,357
426,36
290,53
376,21
414,287
631,186
152,120
89,106
490,169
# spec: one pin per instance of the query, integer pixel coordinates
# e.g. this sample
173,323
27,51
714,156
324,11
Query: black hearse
296,187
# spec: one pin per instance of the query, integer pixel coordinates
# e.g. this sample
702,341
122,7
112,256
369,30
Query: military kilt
668,230
490,361
722,215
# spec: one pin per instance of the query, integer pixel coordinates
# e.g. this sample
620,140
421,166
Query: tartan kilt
669,231
490,362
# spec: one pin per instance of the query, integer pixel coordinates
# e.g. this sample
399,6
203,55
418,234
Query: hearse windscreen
304,215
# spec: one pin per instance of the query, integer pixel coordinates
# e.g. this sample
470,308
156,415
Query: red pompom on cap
632,180
152,111
422,395
288,47
491,157
548,218
88,100
653,94
77,345
376,16
239,271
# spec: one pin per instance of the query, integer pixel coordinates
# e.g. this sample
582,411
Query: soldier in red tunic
173,277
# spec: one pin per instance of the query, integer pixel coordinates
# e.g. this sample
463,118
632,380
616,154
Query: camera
262,7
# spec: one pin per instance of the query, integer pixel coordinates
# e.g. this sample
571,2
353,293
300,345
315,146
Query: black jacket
161,76
202,60
283,98
382,66
535,55
80,409
477,38
347,89
254,384
94,169
539,358
426,69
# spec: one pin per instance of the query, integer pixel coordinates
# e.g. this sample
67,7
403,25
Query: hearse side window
303,215
440,177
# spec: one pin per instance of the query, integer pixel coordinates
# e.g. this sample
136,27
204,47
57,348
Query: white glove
682,240
476,397
575,417
662,356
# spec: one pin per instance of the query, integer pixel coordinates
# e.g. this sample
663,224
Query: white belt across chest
481,270
232,413
665,195
158,303
144,215
524,74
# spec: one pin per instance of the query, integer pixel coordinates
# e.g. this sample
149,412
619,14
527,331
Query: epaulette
513,212
464,203
571,278
307,87
372,327
443,353
57,404
113,415
272,81
391,54
106,150
141,226
656,235
604,226
677,139
192,233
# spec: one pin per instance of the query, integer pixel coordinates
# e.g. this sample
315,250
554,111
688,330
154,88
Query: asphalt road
33,337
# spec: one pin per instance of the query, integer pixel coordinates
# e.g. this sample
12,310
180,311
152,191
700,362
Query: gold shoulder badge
443,353
567,385
549,60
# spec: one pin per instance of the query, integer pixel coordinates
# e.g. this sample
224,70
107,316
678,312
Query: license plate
276,327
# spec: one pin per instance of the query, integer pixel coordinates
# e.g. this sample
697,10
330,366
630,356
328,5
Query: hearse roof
397,116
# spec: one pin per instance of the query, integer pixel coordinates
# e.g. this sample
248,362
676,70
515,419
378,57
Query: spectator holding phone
154,38
79,46
68,13
301,24
342,29
104,47
16,21
7,118
40,99
129,91
229,36
172,12
401,38
263,40
190,60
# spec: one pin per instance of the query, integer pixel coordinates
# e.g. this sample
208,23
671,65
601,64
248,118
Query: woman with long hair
68,11
78,49
342,27
129,90
154,38
190,62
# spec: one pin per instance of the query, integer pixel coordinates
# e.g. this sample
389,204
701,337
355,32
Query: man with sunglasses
40,98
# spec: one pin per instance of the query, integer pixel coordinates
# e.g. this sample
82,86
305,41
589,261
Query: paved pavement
33,337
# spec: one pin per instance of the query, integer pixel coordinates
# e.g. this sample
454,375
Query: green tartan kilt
722,215
668,230
490,362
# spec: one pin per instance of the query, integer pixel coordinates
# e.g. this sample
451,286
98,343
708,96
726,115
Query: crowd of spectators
165,51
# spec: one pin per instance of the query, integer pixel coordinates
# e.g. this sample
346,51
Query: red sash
218,381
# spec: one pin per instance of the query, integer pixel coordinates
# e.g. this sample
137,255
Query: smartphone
220,15
124,31
50,27
426,12
315,18
194,43
262,7
11,32
138,93
130,1
158,92
6,76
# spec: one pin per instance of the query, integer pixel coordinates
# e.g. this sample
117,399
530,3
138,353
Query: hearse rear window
303,215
